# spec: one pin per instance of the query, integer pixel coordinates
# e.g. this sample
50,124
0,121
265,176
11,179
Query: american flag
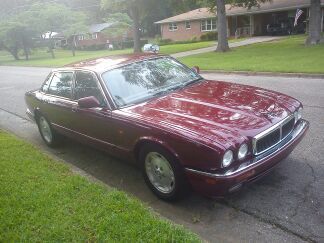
298,14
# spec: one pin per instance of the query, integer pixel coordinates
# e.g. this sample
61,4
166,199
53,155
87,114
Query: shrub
209,36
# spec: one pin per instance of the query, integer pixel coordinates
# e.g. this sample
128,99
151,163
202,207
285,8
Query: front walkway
245,42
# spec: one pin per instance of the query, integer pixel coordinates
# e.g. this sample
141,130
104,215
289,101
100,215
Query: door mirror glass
88,102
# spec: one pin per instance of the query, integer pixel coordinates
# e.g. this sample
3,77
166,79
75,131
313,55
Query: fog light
228,158
243,150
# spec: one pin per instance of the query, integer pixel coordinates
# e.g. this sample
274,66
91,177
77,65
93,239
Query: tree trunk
136,32
51,46
73,46
26,50
222,45
315,18
12,51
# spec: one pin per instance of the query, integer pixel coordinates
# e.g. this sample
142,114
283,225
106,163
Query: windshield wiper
192,81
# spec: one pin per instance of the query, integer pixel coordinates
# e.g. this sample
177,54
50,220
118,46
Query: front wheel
162,173
50,137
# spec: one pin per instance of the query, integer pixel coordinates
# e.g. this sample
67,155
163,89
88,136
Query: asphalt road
285,206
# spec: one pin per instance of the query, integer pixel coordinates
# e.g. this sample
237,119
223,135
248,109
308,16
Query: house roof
274,5
95,28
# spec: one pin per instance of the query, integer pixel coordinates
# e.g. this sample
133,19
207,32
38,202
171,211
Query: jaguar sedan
185,132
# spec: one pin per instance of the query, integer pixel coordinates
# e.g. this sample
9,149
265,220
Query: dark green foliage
209,36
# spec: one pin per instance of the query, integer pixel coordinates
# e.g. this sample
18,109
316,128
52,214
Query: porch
256,24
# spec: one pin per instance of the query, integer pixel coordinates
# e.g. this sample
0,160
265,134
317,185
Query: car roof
103,64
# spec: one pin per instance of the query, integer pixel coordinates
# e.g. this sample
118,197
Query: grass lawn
42,200
40,58
175,48
287,55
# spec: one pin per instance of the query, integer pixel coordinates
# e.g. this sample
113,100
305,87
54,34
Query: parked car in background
182,130
286,27
283,28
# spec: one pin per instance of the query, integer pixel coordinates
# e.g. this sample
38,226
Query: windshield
143,80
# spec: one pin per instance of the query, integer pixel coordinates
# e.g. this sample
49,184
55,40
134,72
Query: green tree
134,9
51,17
121,24
15,36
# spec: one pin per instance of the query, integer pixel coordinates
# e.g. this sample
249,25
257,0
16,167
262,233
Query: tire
50,137
163,174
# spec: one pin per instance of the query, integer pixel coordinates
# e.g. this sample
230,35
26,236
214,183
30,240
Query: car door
57,100
92,123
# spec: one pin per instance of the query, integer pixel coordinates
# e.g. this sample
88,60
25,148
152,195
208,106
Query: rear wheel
162,173
50,137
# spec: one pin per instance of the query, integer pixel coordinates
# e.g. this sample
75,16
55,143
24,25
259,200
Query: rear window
61,85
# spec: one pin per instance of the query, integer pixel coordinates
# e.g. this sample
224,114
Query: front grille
268,141
287,128
273,136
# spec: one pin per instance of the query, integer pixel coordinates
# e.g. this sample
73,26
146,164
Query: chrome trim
268,131
301,127
30,115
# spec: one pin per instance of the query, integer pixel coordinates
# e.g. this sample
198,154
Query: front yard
42,200
40,58
286,55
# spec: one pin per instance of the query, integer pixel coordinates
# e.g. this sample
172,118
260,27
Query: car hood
226,113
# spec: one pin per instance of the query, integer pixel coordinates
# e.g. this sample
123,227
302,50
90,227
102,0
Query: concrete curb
266,74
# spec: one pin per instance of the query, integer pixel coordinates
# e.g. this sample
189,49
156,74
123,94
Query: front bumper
217,185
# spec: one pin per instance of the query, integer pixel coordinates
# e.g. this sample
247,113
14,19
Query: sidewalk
249,41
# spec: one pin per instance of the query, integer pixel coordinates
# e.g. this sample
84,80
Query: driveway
248,41
285,206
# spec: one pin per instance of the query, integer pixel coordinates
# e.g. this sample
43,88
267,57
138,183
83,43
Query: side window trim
107,105
72,85
47,80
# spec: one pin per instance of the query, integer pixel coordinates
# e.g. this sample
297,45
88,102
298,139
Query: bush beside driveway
42,200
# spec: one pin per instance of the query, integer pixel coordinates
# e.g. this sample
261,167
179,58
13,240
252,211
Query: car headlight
298,114
227,158
243,150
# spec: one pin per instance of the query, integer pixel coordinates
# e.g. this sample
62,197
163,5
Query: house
240,21
100,35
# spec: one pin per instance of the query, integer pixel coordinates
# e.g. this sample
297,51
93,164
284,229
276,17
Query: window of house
188,25
208,25
86,85
94,36
173,27
80,37
61,84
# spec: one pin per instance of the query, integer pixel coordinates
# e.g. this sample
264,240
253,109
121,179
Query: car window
86,85
46,83
61,84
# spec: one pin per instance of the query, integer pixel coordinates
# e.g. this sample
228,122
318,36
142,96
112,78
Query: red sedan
182,130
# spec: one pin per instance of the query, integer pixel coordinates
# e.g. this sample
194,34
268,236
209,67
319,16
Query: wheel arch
140,143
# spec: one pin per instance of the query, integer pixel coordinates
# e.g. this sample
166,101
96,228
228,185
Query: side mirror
196,69
88,102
